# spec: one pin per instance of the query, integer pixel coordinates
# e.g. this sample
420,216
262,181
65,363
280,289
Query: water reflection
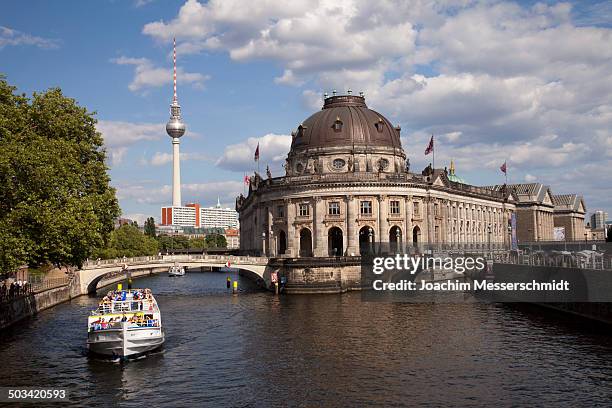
257,349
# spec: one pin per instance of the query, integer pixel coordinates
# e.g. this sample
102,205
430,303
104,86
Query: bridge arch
91,275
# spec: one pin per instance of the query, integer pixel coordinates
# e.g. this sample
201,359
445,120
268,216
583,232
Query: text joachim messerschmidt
483,285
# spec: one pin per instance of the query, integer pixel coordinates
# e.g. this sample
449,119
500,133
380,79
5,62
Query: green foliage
197,243
167,243
216,241
128,241
149,227
56,204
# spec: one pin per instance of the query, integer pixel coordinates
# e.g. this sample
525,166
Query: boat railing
128,305
97,326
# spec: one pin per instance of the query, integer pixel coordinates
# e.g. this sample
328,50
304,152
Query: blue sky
526,82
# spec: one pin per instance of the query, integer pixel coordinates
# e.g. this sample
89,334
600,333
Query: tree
216,241
56,203
609,236
127,240
169,243
197,243
149,227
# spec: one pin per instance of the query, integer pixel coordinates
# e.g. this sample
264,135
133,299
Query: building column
535,226
269,233
383,221
320,233
428,213
292,245
351,235
408,221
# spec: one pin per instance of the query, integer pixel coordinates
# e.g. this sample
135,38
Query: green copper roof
452,176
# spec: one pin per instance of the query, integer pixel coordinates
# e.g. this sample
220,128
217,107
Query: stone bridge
94,272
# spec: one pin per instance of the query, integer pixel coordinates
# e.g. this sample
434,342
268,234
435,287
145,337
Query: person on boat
124,318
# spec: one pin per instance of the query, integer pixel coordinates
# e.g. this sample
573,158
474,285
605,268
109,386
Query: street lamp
489,238
263,243
371,239
397,240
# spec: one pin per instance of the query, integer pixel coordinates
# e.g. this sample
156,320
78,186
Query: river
256,349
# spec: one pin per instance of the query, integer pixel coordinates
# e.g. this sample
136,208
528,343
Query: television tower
175,129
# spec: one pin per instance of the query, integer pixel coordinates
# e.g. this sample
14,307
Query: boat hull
126,341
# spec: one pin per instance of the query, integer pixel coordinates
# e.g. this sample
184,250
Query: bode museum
348,185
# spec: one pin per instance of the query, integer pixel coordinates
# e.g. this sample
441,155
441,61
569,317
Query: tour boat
127,323
176,270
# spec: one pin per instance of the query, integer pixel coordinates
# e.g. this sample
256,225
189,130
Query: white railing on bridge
141,260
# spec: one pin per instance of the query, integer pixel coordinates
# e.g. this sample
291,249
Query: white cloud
141,3
494,80
138,217
204,193
163,158
118,136
304,36
273,150
288,78
146,75
9,36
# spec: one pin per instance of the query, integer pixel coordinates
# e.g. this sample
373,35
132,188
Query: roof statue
452,176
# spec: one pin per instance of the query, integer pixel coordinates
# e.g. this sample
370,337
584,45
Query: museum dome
345,120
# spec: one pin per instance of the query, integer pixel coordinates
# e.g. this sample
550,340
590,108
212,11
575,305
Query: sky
526,82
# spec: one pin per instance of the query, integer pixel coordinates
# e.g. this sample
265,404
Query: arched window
301,130
334,241
395,239
366,240
282,242
416,235
337,126
380,125
305,242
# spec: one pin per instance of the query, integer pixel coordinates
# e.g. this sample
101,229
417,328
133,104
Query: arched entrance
366,240
416,235
334,241
282,242
305,242
395,239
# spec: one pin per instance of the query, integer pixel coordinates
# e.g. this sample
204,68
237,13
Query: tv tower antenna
175,129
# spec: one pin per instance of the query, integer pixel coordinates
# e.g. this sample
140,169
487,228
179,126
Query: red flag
257,152
430,146
246,180
503,168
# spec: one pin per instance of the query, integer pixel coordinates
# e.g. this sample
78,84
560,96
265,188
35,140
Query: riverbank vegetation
128,240
56,202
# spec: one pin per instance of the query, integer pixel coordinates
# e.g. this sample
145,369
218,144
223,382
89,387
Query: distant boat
176,270
125,324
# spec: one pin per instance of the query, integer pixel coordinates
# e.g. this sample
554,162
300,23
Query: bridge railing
101,263
50,283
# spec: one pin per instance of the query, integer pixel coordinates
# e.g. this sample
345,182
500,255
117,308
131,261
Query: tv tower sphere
175,126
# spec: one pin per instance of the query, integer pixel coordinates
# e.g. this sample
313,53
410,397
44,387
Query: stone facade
569,213
348,184
538,212
320,218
